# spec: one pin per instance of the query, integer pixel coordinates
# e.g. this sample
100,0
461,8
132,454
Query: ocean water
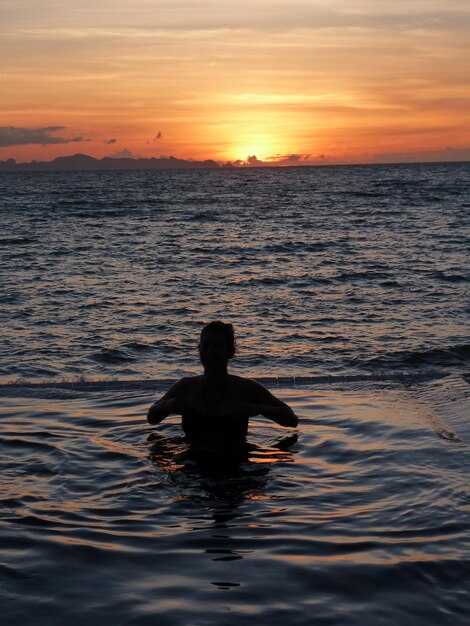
348,288
336,270
361,516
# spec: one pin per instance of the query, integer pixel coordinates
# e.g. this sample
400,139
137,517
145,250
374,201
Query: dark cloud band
18,136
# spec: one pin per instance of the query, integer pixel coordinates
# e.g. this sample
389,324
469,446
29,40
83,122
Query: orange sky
293,81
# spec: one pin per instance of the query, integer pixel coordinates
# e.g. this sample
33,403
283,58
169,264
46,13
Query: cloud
18,136
141,19
436,156
288,159
292,160
110,141
278,159
253,161
124,154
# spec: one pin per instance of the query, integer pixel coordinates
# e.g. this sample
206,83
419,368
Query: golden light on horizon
244,132
259,145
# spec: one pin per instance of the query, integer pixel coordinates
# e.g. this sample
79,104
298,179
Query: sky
283,82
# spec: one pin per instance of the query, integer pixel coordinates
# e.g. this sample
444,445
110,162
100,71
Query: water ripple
364,505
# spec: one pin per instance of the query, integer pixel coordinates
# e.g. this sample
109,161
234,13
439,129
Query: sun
261,145
249,150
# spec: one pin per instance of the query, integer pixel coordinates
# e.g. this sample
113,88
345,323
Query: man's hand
280,413
164,407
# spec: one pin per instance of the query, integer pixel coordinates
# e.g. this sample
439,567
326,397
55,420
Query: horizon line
11,164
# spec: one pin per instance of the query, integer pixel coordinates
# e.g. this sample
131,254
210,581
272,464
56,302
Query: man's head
216,344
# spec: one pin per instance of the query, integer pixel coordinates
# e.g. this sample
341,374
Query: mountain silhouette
82,162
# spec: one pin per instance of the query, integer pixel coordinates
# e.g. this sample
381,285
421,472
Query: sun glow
260,145
249,151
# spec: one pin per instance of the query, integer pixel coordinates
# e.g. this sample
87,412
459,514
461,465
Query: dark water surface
355,278
322,270
362,517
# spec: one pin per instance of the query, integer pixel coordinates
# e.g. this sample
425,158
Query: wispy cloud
124,154
287,160
445,155
262,15
18,136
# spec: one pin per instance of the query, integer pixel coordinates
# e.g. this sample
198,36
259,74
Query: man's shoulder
247,383
186,382
189,380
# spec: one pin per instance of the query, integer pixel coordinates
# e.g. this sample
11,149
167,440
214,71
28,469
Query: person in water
215,407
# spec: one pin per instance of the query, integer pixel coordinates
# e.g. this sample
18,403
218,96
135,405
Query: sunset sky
298,81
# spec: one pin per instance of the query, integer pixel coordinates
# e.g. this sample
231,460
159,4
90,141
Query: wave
112,356
138,347
449,356
450,277
270,381
203,216
16,241
289,246
363,275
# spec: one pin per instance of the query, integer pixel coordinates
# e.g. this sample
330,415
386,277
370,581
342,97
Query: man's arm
266,404
168,404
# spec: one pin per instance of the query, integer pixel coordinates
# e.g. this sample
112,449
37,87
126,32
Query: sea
348,288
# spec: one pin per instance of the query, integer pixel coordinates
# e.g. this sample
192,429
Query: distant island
84,162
